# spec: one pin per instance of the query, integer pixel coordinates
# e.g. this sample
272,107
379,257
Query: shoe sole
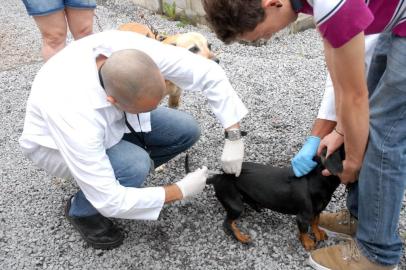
317,266
104,246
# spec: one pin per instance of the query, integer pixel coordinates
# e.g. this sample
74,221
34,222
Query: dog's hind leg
231,199
318,233
304,236
234,207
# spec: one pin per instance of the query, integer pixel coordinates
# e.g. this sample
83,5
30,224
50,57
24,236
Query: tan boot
343,257
339,224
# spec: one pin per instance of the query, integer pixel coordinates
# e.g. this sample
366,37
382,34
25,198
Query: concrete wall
154,5
192,8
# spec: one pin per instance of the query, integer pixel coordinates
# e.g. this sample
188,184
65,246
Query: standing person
326,119
378,193
82,102
53,17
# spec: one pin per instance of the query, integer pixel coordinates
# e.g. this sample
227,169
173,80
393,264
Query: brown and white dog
192,41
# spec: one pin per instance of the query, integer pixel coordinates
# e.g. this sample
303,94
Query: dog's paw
320,235
307,242
232,228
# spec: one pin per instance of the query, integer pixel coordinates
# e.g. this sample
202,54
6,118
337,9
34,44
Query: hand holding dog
232,157
303,162
350,169
193,183
332,142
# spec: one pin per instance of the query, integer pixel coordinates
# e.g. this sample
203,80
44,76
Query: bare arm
172,193
346,66
322,127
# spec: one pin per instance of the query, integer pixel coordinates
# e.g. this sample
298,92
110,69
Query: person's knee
194,132
133,173
82,31
54,39
191,131
80,22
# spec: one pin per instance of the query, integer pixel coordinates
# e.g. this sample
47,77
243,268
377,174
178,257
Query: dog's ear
334,162
194,49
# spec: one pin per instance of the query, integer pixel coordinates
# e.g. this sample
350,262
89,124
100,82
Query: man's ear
270,3
112,100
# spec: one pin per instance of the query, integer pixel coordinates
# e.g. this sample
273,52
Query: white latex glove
193,183
233,154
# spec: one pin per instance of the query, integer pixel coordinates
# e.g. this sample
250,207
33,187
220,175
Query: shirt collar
100,99
99,96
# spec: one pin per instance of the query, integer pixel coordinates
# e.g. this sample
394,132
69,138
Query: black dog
264,186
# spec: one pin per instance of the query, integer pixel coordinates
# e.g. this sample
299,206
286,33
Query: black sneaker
98,231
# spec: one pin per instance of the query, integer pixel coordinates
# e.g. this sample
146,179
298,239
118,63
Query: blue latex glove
303,162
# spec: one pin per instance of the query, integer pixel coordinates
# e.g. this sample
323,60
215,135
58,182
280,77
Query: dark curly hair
230,18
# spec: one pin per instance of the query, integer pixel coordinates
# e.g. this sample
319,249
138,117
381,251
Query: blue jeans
45,7
376,198
172,133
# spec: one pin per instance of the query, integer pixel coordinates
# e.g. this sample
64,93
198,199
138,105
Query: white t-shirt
327,107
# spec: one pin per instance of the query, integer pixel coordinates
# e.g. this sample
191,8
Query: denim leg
172,133
383,175
131,165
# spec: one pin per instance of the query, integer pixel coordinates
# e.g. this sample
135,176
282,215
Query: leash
157,36
141,138
98,22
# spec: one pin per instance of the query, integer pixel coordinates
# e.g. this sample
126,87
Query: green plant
184,21
170,10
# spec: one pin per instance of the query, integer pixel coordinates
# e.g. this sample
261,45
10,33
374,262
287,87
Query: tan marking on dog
137,28
318,233
307,242
189,40
242,237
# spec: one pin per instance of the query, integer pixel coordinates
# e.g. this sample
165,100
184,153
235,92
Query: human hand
303,162
331,142
350,172
193,183
232,157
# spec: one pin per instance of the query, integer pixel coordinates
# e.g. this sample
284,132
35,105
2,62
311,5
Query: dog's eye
209,46
194,49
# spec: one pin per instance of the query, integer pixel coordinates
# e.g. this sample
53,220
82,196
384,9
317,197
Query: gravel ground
281,83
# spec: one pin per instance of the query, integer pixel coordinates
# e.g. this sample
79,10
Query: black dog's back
265,186
270,187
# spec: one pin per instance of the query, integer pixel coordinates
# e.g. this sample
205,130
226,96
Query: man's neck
100,60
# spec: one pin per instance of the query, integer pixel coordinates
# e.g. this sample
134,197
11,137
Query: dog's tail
211,180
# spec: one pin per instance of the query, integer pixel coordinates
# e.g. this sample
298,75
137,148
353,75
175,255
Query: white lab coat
69,123
327,108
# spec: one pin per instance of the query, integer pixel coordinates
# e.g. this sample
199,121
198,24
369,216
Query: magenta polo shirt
340,20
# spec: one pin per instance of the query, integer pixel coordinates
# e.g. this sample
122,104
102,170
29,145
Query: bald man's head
131,77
